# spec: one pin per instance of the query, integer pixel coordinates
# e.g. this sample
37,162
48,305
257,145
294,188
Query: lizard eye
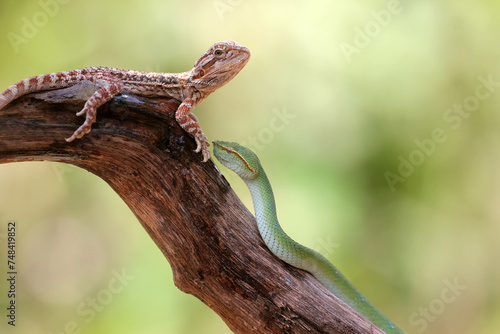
218,52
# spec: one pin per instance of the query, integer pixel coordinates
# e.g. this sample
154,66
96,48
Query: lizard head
219,65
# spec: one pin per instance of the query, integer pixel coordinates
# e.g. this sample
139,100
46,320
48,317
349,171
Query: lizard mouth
232,67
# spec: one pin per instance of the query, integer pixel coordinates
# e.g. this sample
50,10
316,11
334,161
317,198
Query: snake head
237,158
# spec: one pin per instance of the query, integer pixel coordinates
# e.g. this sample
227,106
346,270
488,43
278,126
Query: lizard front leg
100,96
188,121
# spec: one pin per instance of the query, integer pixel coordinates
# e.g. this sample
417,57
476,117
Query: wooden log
187,207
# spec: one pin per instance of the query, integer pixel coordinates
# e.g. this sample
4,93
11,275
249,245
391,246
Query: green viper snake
245,163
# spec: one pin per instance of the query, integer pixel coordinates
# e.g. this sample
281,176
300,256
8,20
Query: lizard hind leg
100,96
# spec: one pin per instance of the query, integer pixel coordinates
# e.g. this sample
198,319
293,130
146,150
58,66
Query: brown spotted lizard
215,68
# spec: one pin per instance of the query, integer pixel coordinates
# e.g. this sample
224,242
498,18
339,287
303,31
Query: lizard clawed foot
202,145
86,126
81,112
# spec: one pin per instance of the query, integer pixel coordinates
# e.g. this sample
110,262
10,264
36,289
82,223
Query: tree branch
186,206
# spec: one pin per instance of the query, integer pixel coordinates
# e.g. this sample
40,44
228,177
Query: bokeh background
377,122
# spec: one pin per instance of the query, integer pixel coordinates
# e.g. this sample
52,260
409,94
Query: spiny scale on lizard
216,67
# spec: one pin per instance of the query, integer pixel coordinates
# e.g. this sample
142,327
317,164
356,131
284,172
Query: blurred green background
377,123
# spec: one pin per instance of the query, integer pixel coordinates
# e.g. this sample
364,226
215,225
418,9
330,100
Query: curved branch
186,206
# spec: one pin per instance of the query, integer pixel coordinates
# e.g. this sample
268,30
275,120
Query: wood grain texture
208,236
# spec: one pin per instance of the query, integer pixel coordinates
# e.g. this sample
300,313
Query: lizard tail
44,82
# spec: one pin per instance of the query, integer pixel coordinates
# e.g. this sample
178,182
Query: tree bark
186,206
